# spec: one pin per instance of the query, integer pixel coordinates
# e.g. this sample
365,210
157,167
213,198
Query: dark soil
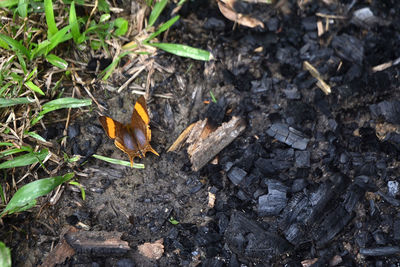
314,179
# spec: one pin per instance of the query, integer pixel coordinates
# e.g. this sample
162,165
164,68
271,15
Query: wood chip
97,243
211,200
386,65
320,28
202,150
181,138
152,251
315,73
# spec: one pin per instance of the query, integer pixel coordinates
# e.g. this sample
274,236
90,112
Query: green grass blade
36,136
165,26
183,51
110,68
8,3
14,151
23,8
5,255
57,61
15,45
40,49
25,160
60,37
51,23
34,87
119,162
29,192
67,102
6,144
4,102
22,62
73,21
2,196
157,10
83,193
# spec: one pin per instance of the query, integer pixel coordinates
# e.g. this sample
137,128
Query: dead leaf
226,8
152,251
61,252
182,137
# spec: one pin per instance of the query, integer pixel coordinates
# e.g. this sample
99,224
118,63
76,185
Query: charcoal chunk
274,202
356,191
302,159
308,210
214,24
389,110
396,229
291,92
331,225
266,166
236,175
349,48
263,85
391,200
380,251
379,237
73,131
362,238
249,240
298,185
288,135
364,17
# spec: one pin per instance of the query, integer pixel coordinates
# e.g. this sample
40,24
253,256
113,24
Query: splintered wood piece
182,137
315,73
97,243
202,151
61,252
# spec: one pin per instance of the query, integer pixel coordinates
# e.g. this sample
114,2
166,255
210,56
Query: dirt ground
262,86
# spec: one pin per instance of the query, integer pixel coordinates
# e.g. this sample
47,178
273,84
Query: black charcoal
236,175
364,17
263,85
286,55
273,24
389,199
344,158
288,135
248,239
298,185
73,131
214,24
309,210
396,229
380,251
292,92
362,238
389,110
331,225
302,159
379,237
348,48
274,202
250,183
